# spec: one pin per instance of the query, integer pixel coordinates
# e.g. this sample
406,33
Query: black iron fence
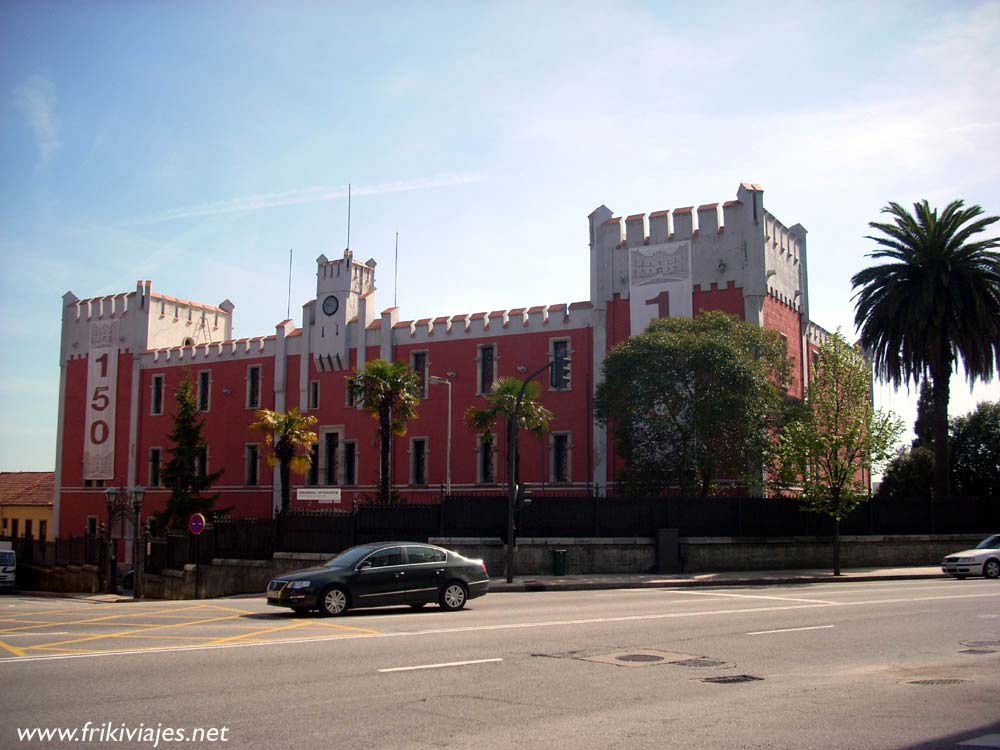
486,516
72,550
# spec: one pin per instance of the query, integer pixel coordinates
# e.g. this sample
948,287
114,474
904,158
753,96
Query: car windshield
349,557
990,542
6,558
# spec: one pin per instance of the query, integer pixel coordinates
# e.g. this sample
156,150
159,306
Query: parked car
382,574
982,560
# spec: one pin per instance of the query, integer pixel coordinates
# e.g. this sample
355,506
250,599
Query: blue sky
194,144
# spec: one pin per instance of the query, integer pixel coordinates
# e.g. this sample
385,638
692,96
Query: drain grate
639,657
699,663
977,651
732,678
937,682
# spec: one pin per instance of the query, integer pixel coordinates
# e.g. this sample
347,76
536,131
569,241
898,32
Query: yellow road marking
334,625
232,638
145,630
13,649
89,620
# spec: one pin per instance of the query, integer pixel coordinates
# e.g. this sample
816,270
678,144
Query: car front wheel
334,602
991,568
453,596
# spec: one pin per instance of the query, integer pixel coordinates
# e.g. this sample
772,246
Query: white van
8,566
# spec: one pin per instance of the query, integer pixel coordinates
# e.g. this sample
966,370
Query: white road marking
440,666
790,630
760,596
987,740
487,628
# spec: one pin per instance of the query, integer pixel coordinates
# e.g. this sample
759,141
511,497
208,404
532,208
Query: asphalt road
836,665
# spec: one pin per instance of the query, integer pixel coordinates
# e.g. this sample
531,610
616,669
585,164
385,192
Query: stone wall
711,554
59,578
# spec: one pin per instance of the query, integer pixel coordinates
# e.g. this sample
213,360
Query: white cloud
35,99
318,194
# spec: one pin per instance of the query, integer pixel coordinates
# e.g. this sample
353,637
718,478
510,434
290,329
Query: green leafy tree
935,300
183,474
500,406
838,438
975,451
909,474
390,393
689,401
290,436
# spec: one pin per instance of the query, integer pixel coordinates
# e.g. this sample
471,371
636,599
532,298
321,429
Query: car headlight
299,584
967,559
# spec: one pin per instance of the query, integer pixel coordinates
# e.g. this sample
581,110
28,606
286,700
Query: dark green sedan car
382,574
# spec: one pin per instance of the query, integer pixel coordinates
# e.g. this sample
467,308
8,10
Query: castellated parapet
736,243
146,321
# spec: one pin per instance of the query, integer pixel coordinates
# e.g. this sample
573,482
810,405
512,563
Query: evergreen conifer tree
185,475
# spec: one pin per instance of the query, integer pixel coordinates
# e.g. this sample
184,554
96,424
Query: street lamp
445,381
123,503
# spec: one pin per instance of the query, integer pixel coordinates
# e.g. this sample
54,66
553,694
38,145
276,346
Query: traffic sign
196,524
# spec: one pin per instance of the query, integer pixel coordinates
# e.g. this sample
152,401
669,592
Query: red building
123,356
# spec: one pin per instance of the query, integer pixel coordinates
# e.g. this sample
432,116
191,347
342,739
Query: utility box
559,562
668,551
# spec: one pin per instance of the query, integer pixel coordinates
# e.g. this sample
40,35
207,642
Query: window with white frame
418,461
486,368
253,387
252,460
486,465
350,462
313,394
156,396
154,467
204,390
312,478
418,363
331,458
560,449
559,372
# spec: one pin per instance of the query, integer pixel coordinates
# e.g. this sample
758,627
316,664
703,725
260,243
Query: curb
532,586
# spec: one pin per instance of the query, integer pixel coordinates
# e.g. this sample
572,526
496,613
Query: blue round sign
196,524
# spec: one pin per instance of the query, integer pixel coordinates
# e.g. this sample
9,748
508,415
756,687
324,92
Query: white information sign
659,283
319,495
102,381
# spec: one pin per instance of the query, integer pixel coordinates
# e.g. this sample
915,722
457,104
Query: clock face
330,305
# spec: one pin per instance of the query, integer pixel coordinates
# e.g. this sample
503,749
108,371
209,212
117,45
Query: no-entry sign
196,524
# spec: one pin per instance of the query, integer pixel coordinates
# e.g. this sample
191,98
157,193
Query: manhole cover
639,657
977,651
730,678
937,682
980,644
698,663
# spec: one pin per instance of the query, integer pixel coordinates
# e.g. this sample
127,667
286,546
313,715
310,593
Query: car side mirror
365,565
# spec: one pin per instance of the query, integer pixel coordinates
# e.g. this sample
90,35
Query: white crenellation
497,323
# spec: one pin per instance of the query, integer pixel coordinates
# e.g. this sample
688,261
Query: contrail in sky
317,194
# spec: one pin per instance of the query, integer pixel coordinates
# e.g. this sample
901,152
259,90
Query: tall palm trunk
285,471
385,434
941,377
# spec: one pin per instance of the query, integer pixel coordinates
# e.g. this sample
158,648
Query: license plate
273,594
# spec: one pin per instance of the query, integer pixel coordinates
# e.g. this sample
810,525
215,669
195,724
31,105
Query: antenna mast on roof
348,216
288,310
395,272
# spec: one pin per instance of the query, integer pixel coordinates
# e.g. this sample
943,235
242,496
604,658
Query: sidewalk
734,578
637,581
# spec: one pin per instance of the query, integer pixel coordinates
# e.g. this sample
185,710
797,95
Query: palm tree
937,300
501,403
390,393
290,434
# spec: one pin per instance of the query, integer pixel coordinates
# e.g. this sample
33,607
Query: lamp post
123,503
445,381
